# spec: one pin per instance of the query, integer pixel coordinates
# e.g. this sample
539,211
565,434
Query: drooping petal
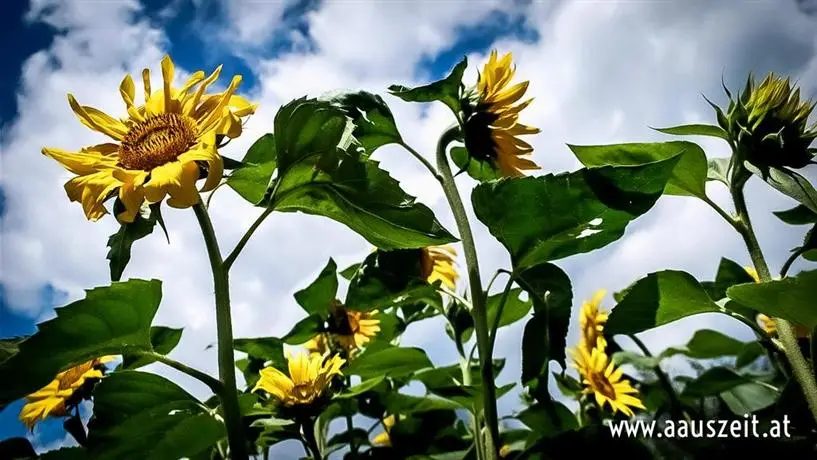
92,190
98,120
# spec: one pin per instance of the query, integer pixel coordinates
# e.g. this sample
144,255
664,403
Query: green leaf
120,243
361,387
729,274
163,340
446,90
470,396
788,183
141,415
544,336
798,215
263,349
398,403
635,359
389,279
252,178
749,354
9,347
478,169
713,382
111,320
541,219
373,120
790,298
548,421
696,130
17,448
304,330
447,376
358,435
391,362
514,310
317,297
658,299
718,169
349,272
708,344
688,177
749,397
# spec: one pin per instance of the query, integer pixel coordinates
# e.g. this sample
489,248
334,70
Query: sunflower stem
214,384
477,295
675,401
422,160
502,301
224,331
800,367
228,262
308,428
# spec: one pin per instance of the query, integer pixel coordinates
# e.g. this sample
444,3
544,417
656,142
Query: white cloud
601,73
253,22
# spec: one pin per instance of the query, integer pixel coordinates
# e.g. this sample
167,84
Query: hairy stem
224,328
477,295
800,367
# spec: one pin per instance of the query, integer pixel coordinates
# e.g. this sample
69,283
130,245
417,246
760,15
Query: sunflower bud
769,124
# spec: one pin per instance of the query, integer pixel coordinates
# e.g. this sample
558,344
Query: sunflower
161,148
352,329
492,120
308,378
54,399
383,439
437,263
591,321
602,379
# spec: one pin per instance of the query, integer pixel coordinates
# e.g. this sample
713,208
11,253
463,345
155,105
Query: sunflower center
158,140
479,135
602,385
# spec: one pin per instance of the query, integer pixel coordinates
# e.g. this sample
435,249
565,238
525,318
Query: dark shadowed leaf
658,299
317,297
17,448
479,169
749,397
304,330
163,339
260,350
540,219
729,274
110,320
798,215
390,279
141,415
713,382
548,420
790,298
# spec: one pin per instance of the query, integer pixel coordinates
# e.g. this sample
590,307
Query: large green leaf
749,397
544,337
389,279
548,420
707,344
729,274
110,320
515,307
479,169
787,182
141,415
447,376
373,120
688,177
163,339
392,362
790,298
120,243
252,179
263,349
541,219
317,297
304,330
446,90
658,299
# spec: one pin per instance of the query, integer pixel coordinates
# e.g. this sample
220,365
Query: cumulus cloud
600,72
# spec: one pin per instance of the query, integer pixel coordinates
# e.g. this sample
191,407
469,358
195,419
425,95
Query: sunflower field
335,383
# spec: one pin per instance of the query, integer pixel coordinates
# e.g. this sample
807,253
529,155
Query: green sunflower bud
769,124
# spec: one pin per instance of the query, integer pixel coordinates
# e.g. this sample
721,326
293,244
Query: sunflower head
438,263
64,392
160,149
604,381
492,120
770,124
304,390
591,323
352,329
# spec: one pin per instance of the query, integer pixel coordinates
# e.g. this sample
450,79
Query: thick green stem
224,331
800,367
477,295
308,428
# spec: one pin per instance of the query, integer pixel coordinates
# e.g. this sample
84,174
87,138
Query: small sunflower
161,148
54,399
437,263
591,321
492,120
352,329
308,378
604,381
383,439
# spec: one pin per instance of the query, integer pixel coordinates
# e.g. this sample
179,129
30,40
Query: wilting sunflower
492,120
383,439
54,399
604,381
591,322
308,378
437,263
161,148
352,329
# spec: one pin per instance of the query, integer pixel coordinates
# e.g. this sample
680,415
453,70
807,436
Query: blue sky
601,72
